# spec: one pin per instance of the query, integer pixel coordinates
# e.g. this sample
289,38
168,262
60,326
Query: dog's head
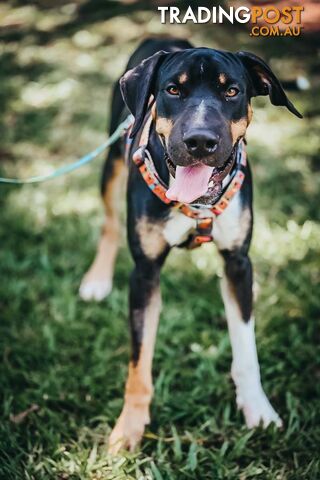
201,110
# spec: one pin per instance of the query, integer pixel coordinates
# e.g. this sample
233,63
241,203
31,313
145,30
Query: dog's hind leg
97,282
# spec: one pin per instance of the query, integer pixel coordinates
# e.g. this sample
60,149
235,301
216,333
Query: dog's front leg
149,251
232,234
236,289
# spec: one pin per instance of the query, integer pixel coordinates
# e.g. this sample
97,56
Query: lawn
63,361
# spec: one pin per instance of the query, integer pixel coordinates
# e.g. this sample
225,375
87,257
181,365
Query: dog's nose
200,143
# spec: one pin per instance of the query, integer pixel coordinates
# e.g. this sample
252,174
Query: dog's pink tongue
190,183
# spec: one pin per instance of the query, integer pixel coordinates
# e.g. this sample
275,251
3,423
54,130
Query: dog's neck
158,152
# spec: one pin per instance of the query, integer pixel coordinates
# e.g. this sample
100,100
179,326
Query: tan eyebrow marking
183,77
222,78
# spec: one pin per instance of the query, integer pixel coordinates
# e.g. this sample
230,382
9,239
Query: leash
203,232
78,163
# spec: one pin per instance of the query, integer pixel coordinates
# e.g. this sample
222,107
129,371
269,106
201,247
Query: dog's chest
226,227
178,228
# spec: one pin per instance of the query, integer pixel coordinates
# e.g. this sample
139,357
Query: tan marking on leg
97,282
238,129
129,427
151,237
183,77
164,127
114,187
222,78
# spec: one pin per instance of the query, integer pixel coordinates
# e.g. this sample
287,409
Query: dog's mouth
198,182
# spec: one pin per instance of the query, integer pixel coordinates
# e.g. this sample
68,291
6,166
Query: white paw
258,410
95,289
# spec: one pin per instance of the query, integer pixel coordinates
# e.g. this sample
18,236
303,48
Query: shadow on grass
18,124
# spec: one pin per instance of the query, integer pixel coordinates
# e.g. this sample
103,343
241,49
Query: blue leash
77,164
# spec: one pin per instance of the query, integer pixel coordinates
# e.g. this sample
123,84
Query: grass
69,358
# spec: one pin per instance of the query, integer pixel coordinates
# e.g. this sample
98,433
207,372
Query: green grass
70,358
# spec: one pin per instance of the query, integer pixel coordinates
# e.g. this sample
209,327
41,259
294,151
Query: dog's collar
143,159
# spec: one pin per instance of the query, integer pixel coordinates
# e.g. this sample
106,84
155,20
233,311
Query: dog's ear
137,85
265,82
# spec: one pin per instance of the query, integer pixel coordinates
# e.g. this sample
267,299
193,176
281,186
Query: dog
188,182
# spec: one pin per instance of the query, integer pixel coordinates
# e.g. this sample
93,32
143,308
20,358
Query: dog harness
204,223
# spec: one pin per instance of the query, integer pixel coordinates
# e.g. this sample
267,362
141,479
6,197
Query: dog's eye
173,90
232,92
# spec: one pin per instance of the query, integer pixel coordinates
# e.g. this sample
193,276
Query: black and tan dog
192,108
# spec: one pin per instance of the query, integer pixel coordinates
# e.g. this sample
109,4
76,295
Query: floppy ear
138,84
265,82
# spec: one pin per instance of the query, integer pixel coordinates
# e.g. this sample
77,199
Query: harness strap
143,159
203,233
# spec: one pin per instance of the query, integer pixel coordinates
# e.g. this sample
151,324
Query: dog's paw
128,431
97,290
258,411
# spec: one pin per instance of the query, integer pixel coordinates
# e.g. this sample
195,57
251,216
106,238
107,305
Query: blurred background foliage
58,61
